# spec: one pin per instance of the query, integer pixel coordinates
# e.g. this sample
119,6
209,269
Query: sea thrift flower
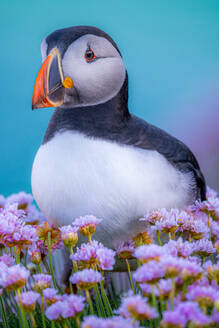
143,238
14,277
203,247
50,296
87,224
90,255
125,249
191,271
178,248
167,223
172,266
173,319
196,228
86,255
210,206
41,281
113,322
86,279
147,290
164,287
13,230
136,307
6,259
74,305
36,257
28,300
147,253
69,236
106,258
192,313
149,273
43,233
22,199
68,306
54,311
155,216
212,270
205,296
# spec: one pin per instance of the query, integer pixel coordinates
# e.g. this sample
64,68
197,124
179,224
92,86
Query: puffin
96,158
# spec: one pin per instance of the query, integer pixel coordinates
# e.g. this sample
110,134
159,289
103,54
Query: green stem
99,303
52,324
18,254
130,276
89,239
99,312
172,295
77,319
106,301
15,257
39,268
4,320
25,258
154,304
22,309
50,260
33,322
161,300
75,267
42,312
89,301
158,238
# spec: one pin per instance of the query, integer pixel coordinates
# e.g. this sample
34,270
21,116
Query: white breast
75,175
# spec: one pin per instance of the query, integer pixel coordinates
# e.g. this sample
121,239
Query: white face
96,81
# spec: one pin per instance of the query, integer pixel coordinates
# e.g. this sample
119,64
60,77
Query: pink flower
150,273
87,224
69,235
41,281
14,277
94,254
6,259
136,307
13,230
50,296
28,300
125,249
67,307
22,199
86,279
146,253
113,322
106,258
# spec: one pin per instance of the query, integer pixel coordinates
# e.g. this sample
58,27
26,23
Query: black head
82,67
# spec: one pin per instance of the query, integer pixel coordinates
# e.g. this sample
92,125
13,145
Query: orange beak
49,88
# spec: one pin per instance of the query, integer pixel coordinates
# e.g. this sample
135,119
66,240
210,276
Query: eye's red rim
89,55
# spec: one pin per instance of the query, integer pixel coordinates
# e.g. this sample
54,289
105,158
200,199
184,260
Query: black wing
141,134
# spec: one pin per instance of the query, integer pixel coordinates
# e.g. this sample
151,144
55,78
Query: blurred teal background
171,51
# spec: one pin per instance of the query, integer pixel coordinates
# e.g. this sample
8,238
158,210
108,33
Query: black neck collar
102,120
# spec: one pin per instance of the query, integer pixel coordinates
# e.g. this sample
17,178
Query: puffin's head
81,66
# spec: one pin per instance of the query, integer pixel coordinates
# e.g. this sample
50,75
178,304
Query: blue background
171,51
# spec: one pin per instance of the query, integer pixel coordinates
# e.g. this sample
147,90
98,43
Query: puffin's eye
89,55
